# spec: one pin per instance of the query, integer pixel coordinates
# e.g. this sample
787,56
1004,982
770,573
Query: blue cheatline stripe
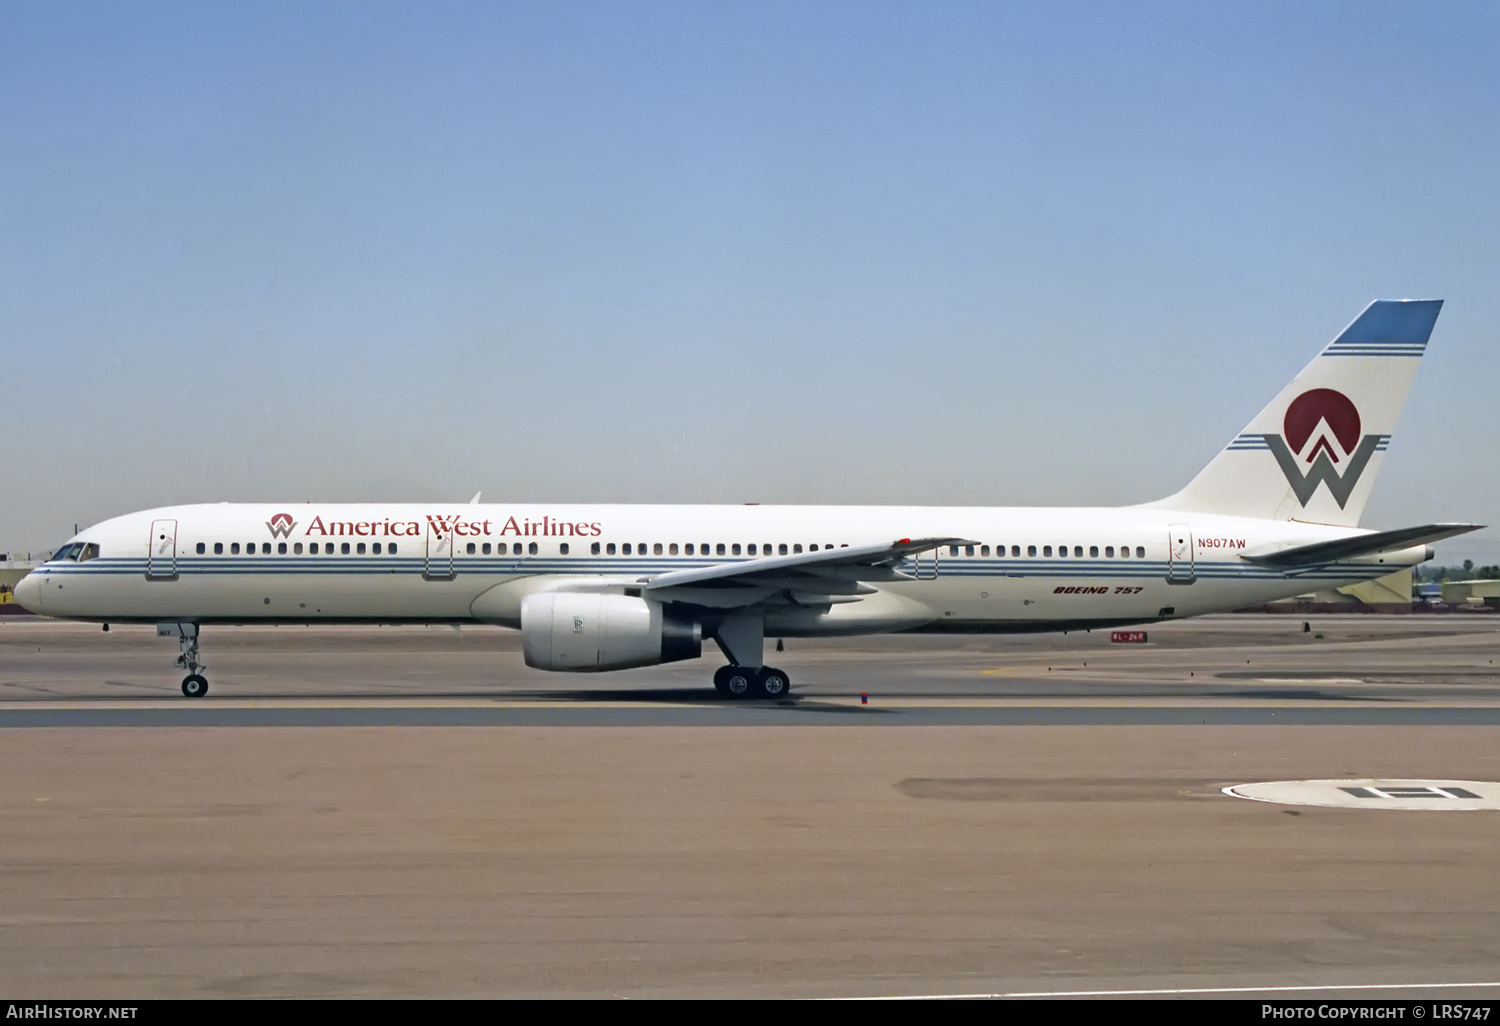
1258,443
1070,568
1363,350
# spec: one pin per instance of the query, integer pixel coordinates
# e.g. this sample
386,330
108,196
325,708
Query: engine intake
586,631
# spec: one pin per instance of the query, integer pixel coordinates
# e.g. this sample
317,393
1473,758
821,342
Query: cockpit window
67,552
90,551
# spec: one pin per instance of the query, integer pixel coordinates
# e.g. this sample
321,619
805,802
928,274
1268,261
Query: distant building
11,571
1471,594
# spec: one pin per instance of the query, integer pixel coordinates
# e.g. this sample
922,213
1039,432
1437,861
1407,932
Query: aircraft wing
1357,545
828,572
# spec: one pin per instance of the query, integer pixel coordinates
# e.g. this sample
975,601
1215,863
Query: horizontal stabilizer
1359,545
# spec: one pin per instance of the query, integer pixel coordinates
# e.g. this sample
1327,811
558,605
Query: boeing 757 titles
595,588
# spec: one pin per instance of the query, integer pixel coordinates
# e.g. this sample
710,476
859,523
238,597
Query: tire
195,685
773,684
720,677
739,682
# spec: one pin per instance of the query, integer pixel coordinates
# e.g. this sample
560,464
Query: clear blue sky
838,252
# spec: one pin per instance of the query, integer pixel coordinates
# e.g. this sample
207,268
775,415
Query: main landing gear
767,682
194,685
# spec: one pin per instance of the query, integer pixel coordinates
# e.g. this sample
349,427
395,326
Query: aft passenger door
161,555
1180,555
439,551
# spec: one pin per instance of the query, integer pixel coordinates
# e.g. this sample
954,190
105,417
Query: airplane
607,587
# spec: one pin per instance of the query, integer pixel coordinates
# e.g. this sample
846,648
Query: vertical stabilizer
1313,453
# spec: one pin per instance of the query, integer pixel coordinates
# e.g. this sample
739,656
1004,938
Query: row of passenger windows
313,548
1062,551
702,549
611,549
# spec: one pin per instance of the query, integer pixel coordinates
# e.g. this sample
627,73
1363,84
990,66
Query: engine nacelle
586,631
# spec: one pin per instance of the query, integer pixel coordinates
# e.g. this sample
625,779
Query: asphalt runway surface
412,812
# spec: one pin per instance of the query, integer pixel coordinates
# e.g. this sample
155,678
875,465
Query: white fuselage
1028,569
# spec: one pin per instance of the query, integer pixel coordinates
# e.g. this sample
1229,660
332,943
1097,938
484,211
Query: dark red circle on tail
1325,404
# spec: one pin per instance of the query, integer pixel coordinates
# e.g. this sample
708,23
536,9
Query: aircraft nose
29,593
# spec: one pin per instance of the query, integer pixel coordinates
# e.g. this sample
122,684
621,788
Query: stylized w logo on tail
1322,471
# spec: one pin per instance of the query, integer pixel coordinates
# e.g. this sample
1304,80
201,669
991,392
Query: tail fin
1313,453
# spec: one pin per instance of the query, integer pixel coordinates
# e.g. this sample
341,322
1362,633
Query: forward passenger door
161,555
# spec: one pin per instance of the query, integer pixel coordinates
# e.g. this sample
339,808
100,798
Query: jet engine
585,631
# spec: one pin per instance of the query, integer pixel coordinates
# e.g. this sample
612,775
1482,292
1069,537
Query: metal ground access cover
1426,795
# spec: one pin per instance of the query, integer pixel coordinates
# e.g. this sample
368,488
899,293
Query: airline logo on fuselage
280,525
1310,420
438,524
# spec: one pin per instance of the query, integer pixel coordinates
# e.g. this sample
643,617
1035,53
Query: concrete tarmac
734,851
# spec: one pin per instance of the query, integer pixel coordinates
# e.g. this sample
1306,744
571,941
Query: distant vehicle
608,587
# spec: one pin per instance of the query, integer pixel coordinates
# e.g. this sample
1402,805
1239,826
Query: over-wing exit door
439,550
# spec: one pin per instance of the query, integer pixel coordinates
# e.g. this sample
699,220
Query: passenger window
611,548
344,548
968,550
531,549
202,549
281,548
703,548
656,549
640,548
515,550
1093,551
812,548
594,548
218,548
360,548
672,549
781,548
952,550
265,548
1109,550
375,548
1124,551
827,545
485,548
313,548
234,548
796,547
469,550
984,550
1140,552
297,549
719,549
766,549
1062,551
390,549
625,548
1078,550
563,548
735,548
1015,550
